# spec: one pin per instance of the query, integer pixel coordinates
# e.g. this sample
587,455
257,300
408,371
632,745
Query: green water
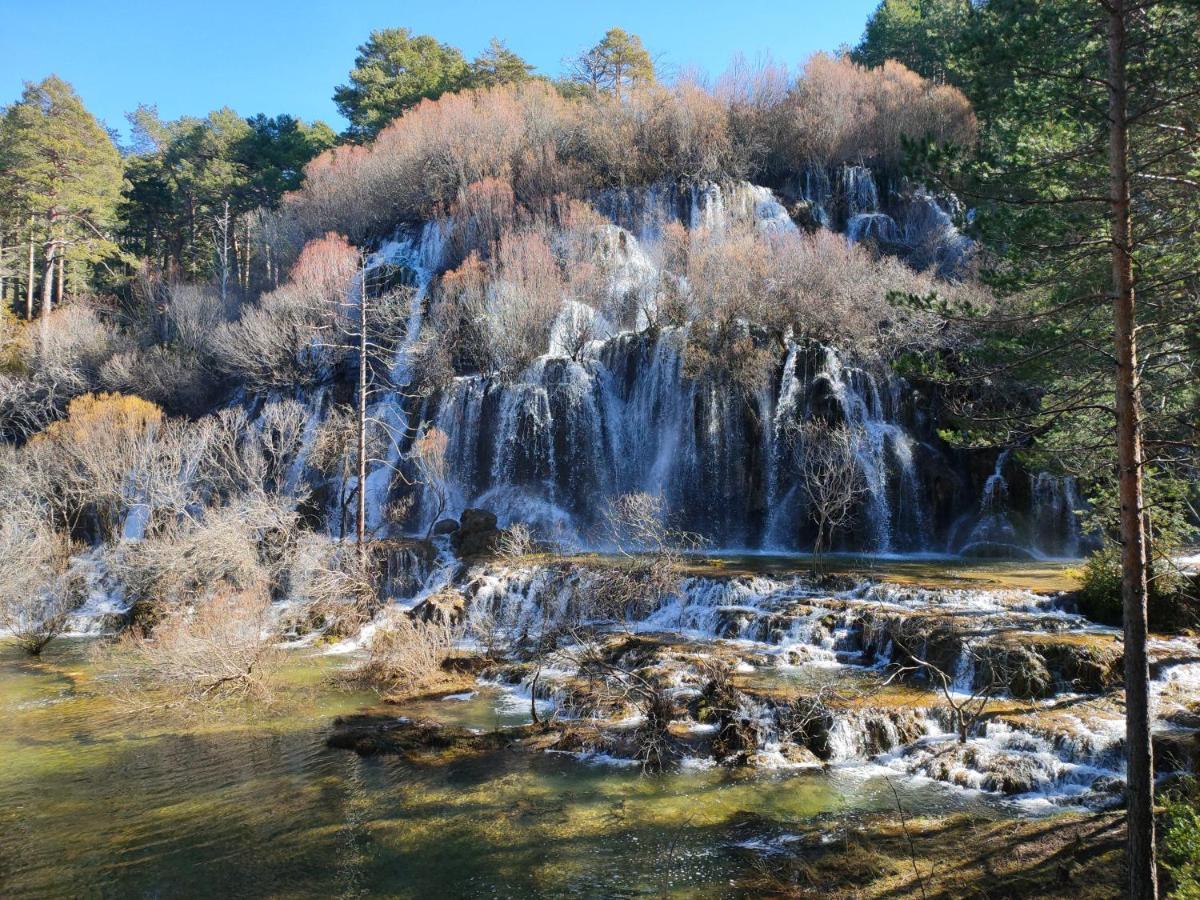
96,801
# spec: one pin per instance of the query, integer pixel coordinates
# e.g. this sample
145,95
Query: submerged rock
369,735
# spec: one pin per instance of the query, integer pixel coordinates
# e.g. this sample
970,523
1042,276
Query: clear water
95,801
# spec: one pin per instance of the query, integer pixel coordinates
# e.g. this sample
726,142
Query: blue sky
278,56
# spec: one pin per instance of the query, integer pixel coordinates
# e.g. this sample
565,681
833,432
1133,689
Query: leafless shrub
92,452
220,649
516,543
40,591
174,379
331,588
404,655
185,563
68,348
650,553
432,472
844,112
194,312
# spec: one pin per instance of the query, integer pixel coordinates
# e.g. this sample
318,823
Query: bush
843,112
220,649
1181,841
93,452
1173,603
40,590
529,139
291,336
404,655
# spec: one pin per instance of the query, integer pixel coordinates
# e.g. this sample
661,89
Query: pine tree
59,166
498,65
395,70
614,65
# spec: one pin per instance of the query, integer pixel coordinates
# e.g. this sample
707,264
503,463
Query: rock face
477,534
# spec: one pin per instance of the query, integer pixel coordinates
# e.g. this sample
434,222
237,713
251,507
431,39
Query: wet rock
732,621
447,607
477,534
445,526
1176,750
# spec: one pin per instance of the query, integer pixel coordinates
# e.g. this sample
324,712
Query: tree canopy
395,70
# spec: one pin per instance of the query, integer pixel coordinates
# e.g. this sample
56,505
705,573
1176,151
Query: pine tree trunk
62,279
1138,751
48,281
29,279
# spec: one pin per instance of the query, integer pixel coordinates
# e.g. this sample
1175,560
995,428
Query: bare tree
428,457
831,475
650,556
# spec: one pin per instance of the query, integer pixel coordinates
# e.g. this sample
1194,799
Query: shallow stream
98,801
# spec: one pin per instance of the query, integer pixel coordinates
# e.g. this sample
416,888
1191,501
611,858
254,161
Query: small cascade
993,533
831,692
1054,516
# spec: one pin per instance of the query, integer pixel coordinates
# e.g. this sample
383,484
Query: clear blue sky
277,56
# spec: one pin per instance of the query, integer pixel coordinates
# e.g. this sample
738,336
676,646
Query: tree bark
29,279
1138,751
62,278
361,524
48,280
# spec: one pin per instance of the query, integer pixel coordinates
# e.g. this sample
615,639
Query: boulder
445,526
477,533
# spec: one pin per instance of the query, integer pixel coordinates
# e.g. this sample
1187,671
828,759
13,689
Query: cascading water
605,413
420,255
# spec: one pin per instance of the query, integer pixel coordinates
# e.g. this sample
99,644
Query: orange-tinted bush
843,112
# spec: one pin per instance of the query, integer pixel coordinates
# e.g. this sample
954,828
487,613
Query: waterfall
419,253
1054,505
606,412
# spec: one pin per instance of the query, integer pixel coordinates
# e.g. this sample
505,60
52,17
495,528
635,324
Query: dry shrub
516,543
221,649
843,112
40,590
483,211
471,149
330,588
651,552
404,655
93,451
818,286
288,338
496,315
174,379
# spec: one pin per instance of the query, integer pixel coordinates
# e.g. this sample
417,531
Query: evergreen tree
498,65
614,65
1086,194
192,185
395,70
925,35
59,166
